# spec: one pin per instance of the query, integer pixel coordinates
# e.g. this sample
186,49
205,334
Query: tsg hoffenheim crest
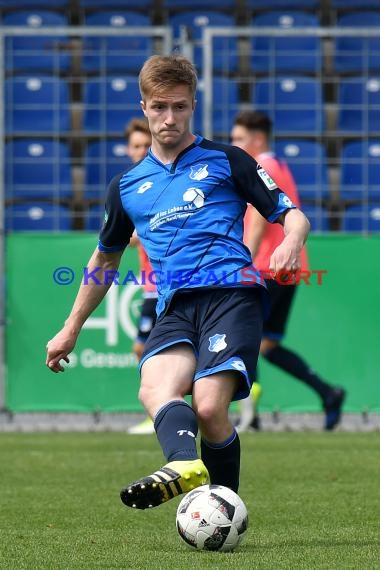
198,171
217,343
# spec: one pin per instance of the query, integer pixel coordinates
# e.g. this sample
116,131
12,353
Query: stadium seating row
91,72
195,4
38,168
296,54
45,216
42,103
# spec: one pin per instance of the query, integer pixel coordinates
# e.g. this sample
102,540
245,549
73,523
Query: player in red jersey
252,132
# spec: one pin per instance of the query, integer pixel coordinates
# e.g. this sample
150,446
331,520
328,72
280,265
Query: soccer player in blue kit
187,199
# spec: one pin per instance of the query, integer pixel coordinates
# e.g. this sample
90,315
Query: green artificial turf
313,501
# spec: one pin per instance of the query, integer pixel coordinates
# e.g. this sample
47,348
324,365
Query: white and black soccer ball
212,517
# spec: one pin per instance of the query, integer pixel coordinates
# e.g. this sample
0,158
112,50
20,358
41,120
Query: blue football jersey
189,215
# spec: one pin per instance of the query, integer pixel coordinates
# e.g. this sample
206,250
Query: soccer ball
212,517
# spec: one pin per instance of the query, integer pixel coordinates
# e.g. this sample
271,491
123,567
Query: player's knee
208,412
213,422
145,394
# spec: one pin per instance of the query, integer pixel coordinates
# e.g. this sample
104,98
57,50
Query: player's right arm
114,237
90,294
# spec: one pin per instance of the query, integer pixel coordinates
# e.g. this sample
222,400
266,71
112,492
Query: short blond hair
162,72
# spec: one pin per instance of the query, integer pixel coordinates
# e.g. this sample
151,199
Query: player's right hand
58,348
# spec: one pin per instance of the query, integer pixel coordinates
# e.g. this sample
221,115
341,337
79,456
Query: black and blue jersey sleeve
256,187
117,227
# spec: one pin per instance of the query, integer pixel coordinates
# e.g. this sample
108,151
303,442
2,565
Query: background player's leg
332,397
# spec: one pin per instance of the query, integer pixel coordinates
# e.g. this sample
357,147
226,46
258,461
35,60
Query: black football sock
297,367
176,427
223,461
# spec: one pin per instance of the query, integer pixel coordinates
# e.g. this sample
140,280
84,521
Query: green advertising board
334,325
102,374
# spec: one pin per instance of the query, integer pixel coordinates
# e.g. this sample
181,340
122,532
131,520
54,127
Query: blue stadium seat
358,54
287,53
355,4
37,216
37,103
318,217
360,178
198,4
358,102
111,53
285,4
225,106
294,103
109,103
103,160
225,50
37,168
33,3
37,52
114,3
307,161
362,218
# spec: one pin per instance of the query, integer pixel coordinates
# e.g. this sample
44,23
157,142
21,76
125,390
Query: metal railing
344,82
231,77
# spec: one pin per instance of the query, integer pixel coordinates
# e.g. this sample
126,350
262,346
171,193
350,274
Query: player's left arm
258,188
287,256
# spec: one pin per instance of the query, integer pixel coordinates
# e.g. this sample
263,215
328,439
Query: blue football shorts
223,325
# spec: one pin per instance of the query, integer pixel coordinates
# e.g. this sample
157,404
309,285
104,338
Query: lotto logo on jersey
268,181
144,187
287,201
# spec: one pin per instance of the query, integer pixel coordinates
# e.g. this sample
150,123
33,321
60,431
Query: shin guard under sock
176,427
223,461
